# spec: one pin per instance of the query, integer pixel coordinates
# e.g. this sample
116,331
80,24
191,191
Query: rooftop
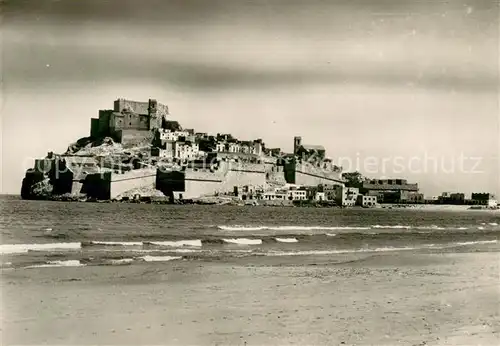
313,147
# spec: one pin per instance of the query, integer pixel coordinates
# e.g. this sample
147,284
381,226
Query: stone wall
311,175
134,106
390,187
104,119
119,121
95,128
132,138
139,178
194,183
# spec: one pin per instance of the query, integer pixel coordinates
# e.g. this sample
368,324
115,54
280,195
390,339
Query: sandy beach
404,299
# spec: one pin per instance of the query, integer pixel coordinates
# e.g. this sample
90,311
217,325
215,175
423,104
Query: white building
186,150
256,149
168,152
320,196
297,195
367,201
273,196
167,135
220,147
345,196
234,148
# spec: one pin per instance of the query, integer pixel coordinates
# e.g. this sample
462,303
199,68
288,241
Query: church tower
297,142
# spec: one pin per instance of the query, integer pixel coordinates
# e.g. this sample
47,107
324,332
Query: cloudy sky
394,88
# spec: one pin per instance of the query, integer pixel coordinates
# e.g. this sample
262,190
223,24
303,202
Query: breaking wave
287,228
159,258
475,242
249,228
22,248
287,240
180,243
121,261
51,264
369,250
243,241
113,243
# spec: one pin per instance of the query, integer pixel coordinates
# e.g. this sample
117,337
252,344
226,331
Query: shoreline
228,201
416,299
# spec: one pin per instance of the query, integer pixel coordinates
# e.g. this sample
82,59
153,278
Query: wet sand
397,298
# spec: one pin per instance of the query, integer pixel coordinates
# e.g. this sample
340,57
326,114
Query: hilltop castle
129,119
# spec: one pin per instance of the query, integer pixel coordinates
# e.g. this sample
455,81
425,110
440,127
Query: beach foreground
396,298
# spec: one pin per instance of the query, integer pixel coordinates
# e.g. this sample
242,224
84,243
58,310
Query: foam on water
22,248
121,261
332,228
493,224
243,241
117,243
289,228
331,234
159,258
195,242
335,252
287,240
475,242
51,264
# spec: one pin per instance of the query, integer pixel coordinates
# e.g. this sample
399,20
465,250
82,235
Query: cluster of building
459,198
337,194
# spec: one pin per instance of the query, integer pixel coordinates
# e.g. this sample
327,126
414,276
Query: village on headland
135,153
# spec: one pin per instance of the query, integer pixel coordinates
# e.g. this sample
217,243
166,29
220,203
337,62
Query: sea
39,234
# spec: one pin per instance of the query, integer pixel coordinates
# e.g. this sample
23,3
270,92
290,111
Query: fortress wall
136,107
104,119
132,138
196,188
203,182
121,183
94,127
238,178
310,175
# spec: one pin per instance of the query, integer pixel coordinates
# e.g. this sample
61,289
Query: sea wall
139,178
308,174
194,183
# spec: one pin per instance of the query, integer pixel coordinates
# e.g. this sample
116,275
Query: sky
392,88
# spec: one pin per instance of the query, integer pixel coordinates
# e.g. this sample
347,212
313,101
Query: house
185,150
168,135
297,195
367,201
320,196
344,196
487,199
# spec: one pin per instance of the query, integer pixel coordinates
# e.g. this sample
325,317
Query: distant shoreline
228,201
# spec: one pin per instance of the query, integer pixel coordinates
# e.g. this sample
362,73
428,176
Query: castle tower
297,142
153,116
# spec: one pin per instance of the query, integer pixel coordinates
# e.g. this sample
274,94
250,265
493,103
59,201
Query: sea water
52,234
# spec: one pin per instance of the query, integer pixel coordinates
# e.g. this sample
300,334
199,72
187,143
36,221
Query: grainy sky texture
394,88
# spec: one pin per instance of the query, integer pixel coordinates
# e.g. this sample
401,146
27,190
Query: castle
129,119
